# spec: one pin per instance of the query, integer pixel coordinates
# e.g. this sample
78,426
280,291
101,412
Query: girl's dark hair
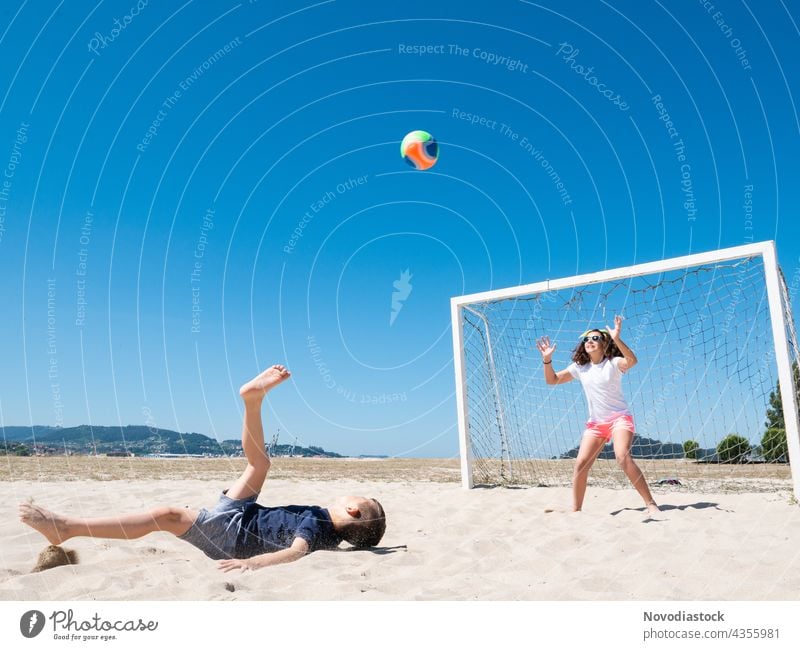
610,349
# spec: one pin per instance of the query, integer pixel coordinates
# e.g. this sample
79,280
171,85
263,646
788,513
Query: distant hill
139,440
647,448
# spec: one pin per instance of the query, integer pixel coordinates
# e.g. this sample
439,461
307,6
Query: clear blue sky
160,164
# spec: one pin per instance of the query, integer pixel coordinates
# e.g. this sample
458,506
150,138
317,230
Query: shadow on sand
377,550
700,505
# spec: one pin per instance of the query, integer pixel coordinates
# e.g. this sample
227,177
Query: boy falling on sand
237,531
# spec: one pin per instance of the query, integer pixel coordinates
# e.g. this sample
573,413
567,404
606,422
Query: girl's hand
617,331
545,348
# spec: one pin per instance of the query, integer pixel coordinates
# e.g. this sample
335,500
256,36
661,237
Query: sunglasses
593,337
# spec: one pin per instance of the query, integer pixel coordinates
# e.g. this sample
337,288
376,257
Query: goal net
713,334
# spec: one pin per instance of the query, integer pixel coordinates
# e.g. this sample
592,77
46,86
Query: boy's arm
298,549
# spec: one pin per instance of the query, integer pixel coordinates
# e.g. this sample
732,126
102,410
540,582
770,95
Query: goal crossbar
696,259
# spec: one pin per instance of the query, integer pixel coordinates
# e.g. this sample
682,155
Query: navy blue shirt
265,530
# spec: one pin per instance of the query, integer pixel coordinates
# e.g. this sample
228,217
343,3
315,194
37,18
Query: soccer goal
714,395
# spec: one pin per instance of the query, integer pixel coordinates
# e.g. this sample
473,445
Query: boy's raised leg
258,461
59,528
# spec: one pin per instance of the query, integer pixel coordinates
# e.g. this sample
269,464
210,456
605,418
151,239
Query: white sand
442,542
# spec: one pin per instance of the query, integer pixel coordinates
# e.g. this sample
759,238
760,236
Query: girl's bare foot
54,527
652,509
259,386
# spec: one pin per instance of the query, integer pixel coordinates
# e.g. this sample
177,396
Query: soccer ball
419,149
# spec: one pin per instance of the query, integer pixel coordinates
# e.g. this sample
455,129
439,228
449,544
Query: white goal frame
765,249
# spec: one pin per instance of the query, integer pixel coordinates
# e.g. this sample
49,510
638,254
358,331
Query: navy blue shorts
215,531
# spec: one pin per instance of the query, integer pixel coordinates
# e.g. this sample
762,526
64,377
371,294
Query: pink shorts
605,429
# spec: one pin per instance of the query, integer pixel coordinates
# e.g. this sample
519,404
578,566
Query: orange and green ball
419,149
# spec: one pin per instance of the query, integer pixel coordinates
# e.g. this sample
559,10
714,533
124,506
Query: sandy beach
442,542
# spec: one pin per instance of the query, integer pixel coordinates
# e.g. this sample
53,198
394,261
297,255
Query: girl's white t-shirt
602,384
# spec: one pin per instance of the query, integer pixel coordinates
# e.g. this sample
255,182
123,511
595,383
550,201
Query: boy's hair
610,349
363,533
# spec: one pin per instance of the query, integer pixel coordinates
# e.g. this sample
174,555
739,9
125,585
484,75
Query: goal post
782,323
717,363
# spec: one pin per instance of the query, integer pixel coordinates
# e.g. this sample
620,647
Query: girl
599,361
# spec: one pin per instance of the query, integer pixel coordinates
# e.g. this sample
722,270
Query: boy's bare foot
259,386
54,527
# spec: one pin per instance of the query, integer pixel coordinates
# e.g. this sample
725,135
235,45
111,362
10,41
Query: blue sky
160,164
